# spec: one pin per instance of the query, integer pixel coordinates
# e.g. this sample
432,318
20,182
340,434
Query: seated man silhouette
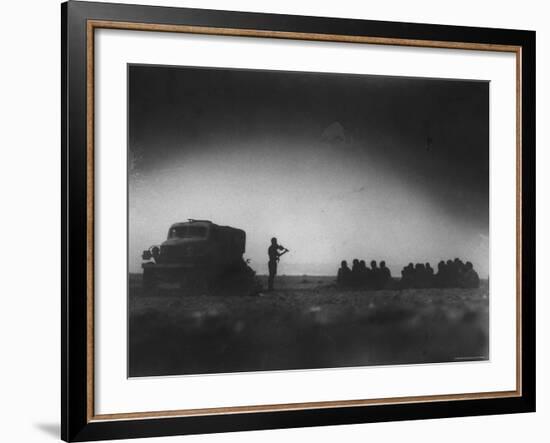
429,275
385,275
407,276
441,278
452,274
355,273
364,274
419,280
460,269
470,278
375,275
344,274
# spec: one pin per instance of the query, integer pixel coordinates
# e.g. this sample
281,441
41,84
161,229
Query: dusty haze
336,166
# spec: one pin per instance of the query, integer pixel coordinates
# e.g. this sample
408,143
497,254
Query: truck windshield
188,232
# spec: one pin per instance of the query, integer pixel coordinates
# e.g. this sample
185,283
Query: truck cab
195,248
201,242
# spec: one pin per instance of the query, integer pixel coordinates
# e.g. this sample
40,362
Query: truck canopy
229,238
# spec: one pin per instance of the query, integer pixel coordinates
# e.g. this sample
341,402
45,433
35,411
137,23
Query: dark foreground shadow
50,429
306,323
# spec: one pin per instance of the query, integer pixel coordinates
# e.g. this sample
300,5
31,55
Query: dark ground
307,322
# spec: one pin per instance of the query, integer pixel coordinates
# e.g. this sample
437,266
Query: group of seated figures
450,274
361,276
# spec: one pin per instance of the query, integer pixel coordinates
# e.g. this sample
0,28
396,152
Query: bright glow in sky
328,190
324,209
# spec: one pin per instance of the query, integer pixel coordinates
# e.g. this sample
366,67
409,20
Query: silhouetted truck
199,255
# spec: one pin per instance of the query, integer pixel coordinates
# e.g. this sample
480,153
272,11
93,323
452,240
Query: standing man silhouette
274,255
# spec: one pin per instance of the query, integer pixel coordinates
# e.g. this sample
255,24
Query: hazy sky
336,166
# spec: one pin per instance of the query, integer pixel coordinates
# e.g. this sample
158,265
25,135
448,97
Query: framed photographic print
279,221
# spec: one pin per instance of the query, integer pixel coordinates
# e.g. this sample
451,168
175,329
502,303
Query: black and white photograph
285,220
242,221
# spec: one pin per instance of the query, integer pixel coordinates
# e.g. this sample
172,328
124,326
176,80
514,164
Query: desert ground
307,322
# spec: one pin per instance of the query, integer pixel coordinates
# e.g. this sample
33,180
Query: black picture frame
77,423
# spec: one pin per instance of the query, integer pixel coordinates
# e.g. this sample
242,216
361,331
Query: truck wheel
149,280
195,284
183,282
